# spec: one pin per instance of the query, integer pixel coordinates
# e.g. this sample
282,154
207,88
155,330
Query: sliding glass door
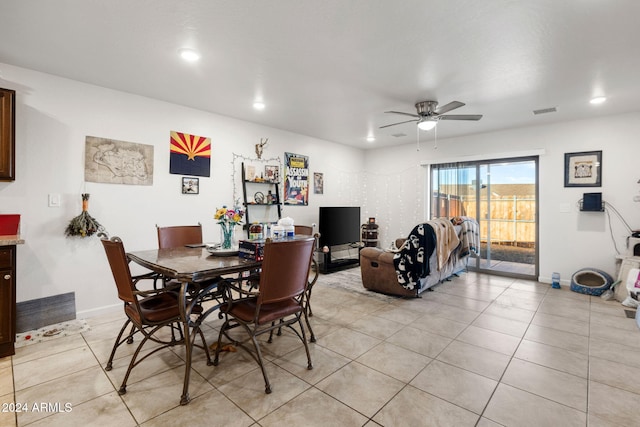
502,195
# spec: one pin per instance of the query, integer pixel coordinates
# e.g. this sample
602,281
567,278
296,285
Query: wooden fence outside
512,219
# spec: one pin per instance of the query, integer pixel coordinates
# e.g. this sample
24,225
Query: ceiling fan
429,114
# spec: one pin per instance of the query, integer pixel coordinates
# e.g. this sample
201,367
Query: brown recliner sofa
379,271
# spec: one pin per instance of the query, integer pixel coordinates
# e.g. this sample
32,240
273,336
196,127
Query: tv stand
329,265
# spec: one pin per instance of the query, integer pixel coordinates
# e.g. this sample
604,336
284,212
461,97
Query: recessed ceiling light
371,138
258,105
189,55
598,100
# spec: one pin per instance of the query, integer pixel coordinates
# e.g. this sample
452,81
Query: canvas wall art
117,162
190,154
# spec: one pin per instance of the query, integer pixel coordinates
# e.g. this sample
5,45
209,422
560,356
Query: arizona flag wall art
190,155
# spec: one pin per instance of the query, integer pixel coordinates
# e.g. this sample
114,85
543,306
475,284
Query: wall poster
190,154
296,183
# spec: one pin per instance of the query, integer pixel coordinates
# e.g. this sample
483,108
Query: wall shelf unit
261,199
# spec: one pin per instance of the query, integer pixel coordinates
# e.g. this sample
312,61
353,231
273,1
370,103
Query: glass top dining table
200,275
191,265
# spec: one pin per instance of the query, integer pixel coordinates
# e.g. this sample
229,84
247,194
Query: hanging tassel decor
83,225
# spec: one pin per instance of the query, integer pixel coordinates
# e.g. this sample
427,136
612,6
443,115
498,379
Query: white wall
568,241
53,117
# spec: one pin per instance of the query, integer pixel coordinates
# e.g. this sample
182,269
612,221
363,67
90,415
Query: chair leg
206,348
130,336
133,363
308,305
217,353
270,340
118,342
176,327
304,341
267,385
312,337
256,345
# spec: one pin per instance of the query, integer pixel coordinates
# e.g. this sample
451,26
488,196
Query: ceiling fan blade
404,114
399,123
448,107
461,117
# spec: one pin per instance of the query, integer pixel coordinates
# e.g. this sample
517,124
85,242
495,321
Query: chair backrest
120,268
305,230
179,235
285,269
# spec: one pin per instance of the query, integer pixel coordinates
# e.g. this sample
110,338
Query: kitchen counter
12,239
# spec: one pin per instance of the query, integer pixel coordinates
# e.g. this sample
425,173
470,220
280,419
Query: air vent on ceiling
545,111
398,135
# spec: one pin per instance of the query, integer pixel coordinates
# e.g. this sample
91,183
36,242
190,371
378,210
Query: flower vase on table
228,219
228,239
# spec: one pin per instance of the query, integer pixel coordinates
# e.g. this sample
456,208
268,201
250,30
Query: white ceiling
329,69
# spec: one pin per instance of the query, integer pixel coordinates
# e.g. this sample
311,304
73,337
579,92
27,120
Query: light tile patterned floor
478,351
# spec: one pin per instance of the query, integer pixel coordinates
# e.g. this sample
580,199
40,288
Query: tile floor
478,351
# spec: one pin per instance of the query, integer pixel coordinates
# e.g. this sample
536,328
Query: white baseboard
94,312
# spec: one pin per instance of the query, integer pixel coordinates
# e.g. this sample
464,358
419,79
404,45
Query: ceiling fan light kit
427,124
428,114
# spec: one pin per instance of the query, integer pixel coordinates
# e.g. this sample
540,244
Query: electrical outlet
54,200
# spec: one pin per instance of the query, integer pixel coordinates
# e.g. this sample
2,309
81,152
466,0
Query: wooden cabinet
7,135
7,300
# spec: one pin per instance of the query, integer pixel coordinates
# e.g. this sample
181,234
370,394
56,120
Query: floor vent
398,135
37,313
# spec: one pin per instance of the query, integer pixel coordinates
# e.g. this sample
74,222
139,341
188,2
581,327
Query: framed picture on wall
583,169
190,185
318,183
272,173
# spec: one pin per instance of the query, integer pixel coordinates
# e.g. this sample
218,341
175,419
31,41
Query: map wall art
117,162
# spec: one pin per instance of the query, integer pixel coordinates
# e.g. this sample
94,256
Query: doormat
46,333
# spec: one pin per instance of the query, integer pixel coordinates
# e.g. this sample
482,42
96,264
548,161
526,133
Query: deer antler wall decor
260,147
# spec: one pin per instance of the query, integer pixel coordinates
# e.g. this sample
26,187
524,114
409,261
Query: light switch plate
54,200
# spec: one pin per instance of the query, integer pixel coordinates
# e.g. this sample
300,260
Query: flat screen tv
339,225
